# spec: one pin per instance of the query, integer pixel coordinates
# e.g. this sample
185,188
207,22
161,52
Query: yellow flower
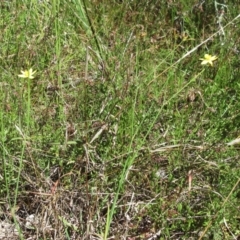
27,74
208,59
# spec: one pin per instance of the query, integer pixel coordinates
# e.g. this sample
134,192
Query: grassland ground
121,133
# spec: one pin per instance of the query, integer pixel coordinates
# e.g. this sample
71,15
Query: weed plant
121,133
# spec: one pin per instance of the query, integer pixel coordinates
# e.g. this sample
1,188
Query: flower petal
204,62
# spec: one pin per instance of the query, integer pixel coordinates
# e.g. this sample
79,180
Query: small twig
220,14
100,131
190,177
157,234
225,222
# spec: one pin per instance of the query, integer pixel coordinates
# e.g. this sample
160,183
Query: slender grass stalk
28,103
87,25
16,191
55,7
108,222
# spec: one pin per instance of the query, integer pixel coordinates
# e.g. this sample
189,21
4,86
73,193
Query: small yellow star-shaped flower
27,74
208,59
